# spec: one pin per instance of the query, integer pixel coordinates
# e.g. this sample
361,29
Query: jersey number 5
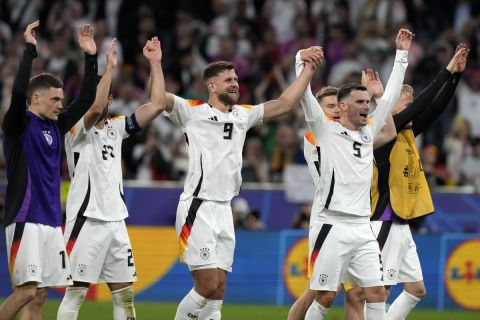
107,150
228,128
357,152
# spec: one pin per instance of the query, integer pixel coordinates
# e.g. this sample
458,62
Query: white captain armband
131,125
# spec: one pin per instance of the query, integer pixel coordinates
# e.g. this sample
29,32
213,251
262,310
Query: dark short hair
326,92
42,81
346,89
214,68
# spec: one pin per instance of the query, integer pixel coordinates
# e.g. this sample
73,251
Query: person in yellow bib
399,188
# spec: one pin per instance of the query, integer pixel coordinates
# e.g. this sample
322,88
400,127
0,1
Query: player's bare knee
207,290
417,291
25,295
40,296
355,295
325,298
375,294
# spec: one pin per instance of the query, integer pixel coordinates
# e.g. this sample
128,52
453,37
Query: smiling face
354,109
47,103
225,87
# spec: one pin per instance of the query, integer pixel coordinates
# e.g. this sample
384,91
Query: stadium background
261,38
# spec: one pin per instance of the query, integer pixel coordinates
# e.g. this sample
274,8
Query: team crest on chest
364,136
111,134
235,113
48,137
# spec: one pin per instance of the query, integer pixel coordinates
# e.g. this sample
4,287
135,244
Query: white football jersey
94,165
215,144
312,154
346,156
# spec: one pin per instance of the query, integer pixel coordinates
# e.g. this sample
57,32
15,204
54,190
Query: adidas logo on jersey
345,133
214,118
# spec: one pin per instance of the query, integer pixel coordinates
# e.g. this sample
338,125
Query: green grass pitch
166,311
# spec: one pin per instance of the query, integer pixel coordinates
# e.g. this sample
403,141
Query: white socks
211,311
190,307
71,303
316,311
123,308
402,306
376,311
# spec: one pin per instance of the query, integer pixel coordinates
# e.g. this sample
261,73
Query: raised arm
82,103
394,84
308,101
371,80
103,88
14,120
386,134
291,96
443,97
146,113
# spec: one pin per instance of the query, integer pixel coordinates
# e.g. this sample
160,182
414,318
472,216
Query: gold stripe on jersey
194,103
409,193
246,106
72,131
369,120
116,118
310,137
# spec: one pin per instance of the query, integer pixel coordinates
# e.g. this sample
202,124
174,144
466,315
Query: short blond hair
407,88
326,92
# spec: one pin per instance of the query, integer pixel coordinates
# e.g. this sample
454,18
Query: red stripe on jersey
70,244
194,103
13,255
183,238
115,117
310,137
313,258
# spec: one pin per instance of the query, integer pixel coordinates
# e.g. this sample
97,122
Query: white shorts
399,252
335,247
36,253
99,251
205,234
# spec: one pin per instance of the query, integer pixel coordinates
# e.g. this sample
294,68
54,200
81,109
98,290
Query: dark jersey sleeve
421,103
437,106
15,120
75,111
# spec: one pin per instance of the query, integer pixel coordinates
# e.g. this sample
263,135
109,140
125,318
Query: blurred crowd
261,37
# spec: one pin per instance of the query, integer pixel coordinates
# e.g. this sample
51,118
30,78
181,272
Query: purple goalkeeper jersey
32,148
33,170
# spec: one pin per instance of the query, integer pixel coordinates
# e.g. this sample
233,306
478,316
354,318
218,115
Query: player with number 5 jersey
341,237
96,236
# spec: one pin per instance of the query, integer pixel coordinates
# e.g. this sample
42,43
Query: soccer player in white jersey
327,100
341,237
96,236
215,133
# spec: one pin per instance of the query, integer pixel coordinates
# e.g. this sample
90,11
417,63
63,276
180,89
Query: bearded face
229,97
225,86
